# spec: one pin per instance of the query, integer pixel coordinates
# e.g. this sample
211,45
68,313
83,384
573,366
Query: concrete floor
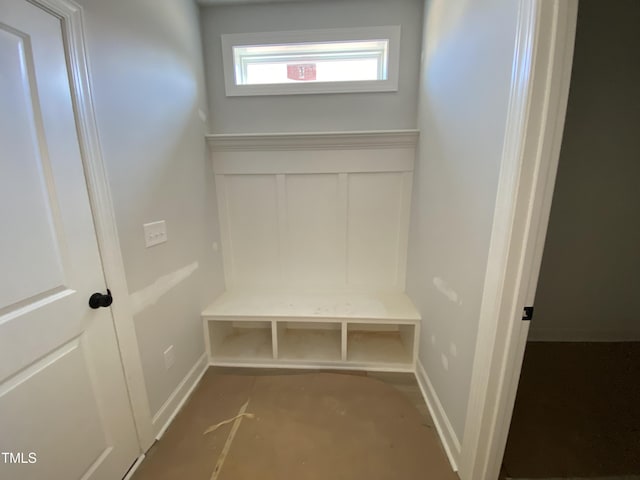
306,425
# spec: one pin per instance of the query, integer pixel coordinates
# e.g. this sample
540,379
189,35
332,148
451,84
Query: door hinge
527,313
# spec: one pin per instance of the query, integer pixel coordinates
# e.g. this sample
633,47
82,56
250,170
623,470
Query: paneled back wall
325,211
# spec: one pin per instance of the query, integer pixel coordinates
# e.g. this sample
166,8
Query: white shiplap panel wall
314,211
315,238
252,206
374,230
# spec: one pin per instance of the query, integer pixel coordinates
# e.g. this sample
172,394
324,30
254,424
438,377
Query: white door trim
71,16
540,88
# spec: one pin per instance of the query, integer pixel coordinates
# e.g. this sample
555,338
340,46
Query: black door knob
98,300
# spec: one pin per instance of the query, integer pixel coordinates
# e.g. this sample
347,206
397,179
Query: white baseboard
445,430
165,415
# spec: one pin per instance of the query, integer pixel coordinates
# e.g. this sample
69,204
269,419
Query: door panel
62,389
63,380
23,139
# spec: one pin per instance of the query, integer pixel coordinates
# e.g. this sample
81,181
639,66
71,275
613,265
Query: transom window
311,62
330,61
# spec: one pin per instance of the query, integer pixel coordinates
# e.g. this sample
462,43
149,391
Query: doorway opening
576,413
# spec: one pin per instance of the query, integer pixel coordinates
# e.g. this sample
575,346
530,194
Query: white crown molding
313,141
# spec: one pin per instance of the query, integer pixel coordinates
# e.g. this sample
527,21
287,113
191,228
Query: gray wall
146,65
589,287
336,112
464,89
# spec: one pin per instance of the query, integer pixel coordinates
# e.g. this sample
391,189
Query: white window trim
335,34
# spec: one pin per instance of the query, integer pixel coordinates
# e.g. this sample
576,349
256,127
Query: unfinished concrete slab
305,426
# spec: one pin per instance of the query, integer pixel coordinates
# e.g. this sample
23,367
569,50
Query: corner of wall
447,434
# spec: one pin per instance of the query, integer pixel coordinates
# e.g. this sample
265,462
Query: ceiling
238,2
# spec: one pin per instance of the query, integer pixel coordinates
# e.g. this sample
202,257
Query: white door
64,407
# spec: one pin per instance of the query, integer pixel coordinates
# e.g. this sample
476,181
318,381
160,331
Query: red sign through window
301,71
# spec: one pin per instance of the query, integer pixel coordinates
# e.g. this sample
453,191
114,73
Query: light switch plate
155,233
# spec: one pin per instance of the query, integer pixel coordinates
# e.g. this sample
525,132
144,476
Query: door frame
72,19
535,124
538,98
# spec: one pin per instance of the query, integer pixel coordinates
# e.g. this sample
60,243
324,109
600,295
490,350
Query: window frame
389,32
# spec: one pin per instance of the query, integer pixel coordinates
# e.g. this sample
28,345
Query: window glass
340,60
311,62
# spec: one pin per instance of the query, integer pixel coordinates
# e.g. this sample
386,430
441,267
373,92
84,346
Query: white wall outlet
169,357
155,233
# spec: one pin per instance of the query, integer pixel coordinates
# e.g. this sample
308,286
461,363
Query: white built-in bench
321,213
373,331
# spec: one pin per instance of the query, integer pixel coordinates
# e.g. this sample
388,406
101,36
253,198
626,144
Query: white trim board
537,110
372,139
167,413
310,365
316,162
472,465
445,430
71,15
